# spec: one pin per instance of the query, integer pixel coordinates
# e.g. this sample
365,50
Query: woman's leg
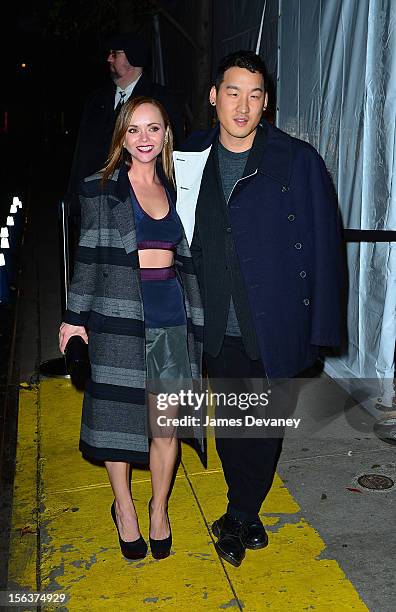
125,510
163,455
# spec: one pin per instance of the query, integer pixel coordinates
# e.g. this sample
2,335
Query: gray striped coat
105,296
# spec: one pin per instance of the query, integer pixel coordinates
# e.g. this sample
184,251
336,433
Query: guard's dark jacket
284,220
98,121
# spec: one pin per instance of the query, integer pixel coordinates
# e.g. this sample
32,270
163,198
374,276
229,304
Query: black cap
136,47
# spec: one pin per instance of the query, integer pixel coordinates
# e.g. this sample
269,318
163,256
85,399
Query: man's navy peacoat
285,224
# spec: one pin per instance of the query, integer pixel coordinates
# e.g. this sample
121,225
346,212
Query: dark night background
47,70
59,43
53,54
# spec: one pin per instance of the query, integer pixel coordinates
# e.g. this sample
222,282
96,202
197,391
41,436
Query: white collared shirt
127,91
189,167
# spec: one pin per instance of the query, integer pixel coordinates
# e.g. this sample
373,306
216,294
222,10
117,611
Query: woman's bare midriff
155,258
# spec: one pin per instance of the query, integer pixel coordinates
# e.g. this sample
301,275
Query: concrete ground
332,541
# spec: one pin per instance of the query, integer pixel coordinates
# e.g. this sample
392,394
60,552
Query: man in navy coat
260,211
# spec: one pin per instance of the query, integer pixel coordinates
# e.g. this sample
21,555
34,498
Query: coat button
291,217
228,230
303,274
285,188
298,246
306,302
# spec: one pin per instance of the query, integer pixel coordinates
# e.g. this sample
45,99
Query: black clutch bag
77,361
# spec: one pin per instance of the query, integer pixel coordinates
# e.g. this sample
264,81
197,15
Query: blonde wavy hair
119,154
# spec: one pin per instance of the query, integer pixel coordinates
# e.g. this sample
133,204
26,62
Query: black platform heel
160,549
131,550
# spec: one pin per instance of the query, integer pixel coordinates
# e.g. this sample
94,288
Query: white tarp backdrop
337,90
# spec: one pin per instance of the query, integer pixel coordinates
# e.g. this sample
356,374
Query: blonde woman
141,317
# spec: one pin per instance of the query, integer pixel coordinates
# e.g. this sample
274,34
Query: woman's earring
213,103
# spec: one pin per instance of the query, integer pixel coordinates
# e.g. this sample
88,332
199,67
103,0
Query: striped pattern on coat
105,296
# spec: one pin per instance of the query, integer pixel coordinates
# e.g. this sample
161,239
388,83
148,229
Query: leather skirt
167,360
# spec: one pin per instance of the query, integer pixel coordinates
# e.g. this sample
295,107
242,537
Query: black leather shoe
131,550
253,534
160,549
229,546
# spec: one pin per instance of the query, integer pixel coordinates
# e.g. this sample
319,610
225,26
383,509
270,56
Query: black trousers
249,463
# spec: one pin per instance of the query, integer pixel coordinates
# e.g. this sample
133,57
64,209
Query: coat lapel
277,156
211,188
121,206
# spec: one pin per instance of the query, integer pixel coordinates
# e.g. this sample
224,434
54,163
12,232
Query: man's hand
66,331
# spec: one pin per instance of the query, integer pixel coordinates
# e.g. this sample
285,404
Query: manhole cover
375,481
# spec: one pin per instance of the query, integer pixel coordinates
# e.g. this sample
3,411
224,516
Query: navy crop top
164,233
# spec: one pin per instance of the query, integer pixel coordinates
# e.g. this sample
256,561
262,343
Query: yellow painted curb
79,552
22,569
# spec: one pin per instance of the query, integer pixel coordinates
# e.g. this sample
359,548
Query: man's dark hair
241,59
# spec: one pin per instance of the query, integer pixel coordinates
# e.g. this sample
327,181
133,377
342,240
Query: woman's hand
66,331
